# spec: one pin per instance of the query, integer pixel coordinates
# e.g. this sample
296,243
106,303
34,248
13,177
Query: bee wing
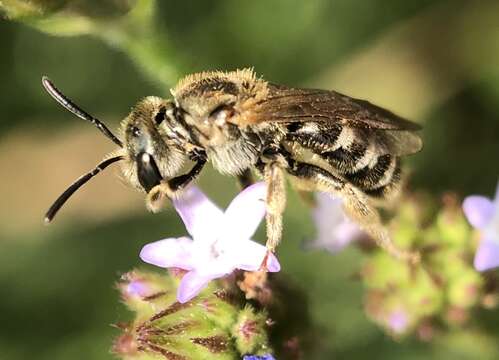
391,133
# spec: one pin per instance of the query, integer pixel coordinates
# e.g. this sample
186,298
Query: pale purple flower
334,229
221,241
134,285
258,357
483,214
137,288
398,321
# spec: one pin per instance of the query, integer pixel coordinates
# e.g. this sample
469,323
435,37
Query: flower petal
173,252
479,210
258,357
137,288
273,264
190,285
249,256
398,321
201,217
487,255
245,212
334,229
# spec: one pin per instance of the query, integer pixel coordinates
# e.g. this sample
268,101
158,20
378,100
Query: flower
398,321
483,214
220,240
334,229
256,357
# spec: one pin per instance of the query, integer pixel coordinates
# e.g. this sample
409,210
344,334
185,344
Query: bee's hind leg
355,203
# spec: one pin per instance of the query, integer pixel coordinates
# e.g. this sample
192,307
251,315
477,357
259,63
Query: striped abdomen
353,153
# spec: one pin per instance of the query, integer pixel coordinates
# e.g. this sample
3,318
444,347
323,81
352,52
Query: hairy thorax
235,156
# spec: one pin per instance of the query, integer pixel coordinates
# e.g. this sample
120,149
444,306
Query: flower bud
210,326
464,291
383,270
250,332
143,291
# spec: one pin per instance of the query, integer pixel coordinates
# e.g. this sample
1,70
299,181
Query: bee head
216,105
149,146
153,142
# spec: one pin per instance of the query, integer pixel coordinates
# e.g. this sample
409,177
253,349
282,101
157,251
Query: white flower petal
190,285
334,229
172,252
245,212
249,257
487,254
201,217
479,210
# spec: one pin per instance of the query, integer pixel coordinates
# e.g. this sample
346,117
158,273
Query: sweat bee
322,140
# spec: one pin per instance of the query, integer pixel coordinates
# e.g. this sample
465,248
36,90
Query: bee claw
263,265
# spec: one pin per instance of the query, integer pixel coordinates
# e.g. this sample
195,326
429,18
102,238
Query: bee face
151,143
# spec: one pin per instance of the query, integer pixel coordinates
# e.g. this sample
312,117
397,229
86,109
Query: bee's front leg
167,189
276,203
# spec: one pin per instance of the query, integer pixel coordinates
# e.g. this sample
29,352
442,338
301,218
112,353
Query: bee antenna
75,109
61,200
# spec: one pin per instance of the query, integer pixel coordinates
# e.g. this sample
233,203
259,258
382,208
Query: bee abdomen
312,137
346,160
352,153
380,180
371,177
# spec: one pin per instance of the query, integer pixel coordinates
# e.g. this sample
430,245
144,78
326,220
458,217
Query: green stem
137,36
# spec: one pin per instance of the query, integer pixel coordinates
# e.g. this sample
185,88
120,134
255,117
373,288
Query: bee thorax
235,157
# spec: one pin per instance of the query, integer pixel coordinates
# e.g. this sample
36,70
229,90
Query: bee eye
160,115
147,171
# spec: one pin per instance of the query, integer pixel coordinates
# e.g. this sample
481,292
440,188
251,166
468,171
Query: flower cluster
443,289
402,298
212,326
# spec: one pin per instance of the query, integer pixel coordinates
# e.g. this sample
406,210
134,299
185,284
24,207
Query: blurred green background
435,62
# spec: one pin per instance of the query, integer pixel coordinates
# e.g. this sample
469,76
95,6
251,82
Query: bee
322,140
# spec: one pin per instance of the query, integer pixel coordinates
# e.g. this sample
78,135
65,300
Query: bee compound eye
160,115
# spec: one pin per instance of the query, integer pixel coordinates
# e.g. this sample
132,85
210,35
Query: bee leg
276,202
355,204
156,198
245,179
358,208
